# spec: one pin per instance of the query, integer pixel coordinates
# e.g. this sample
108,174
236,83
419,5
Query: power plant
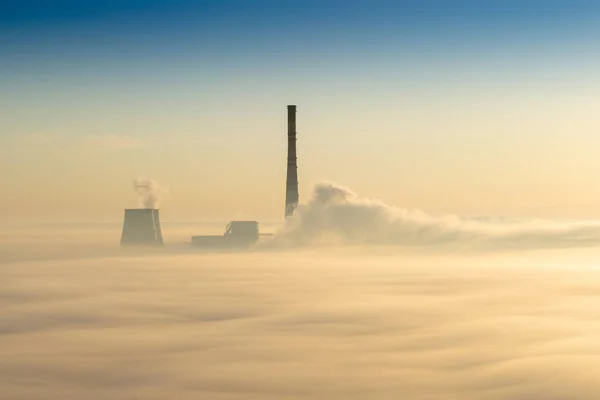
141,226
291,184
244,233
237,233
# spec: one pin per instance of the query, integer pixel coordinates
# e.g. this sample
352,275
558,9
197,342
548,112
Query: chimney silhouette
141,226
291,185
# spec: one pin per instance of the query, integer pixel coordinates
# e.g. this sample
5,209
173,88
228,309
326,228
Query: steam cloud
149,193
335,214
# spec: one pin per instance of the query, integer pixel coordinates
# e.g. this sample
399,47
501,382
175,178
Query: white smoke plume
149,193
335,214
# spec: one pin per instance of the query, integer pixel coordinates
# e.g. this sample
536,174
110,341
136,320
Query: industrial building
141,226
243,233
237,233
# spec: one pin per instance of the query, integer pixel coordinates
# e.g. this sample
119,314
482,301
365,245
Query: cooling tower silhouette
141,227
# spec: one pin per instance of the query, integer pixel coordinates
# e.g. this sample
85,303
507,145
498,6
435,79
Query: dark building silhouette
245,233
237,234
141,226
291,185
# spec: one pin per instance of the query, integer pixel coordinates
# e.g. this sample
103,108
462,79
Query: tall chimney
291,185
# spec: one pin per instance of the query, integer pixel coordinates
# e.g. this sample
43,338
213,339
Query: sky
461,107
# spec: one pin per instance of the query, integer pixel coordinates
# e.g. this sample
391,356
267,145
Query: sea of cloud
82,319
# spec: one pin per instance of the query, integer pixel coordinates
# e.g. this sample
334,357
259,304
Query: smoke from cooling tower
149,193
335,214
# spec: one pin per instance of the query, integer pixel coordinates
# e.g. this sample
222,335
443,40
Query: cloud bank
301,325
335,214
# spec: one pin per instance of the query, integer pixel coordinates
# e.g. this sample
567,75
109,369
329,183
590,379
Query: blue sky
298,30
296,43
397,81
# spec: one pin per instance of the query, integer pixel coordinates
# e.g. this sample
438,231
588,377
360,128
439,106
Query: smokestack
291,185
141,226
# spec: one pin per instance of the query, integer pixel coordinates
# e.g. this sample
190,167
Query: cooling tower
291,186
141,227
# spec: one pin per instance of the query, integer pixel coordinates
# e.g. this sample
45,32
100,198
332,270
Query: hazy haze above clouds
453,106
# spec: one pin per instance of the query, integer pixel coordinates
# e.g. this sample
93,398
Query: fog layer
299,325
